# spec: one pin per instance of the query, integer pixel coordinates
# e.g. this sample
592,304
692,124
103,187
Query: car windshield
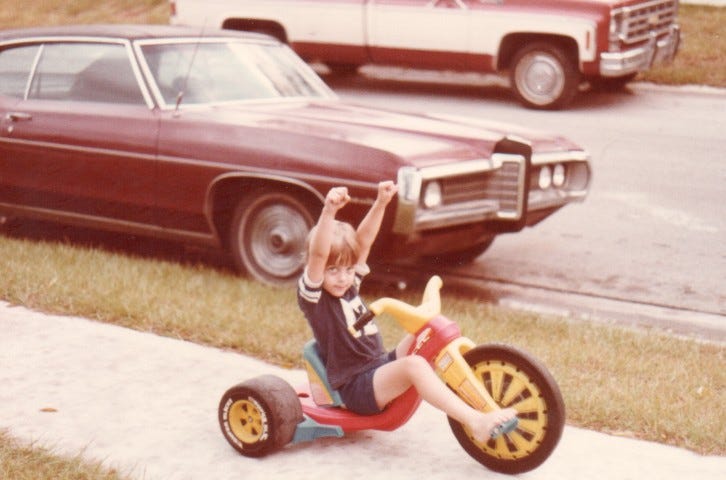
209,71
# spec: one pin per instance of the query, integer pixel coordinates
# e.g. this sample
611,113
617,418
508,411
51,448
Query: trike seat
323,394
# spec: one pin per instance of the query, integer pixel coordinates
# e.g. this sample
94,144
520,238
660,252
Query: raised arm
371,223
322,233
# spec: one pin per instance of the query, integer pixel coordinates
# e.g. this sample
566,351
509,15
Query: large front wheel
515,379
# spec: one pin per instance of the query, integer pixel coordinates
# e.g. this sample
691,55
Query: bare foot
485,423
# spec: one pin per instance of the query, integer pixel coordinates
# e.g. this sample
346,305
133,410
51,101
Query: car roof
125,31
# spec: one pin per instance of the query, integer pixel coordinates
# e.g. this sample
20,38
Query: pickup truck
548,47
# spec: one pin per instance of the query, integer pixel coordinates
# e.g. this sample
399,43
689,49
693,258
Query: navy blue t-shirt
344,354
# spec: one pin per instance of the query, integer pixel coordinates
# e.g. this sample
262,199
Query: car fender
218,186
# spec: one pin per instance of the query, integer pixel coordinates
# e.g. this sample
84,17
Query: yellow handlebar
411,318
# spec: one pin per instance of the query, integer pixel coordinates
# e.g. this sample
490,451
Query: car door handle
19,116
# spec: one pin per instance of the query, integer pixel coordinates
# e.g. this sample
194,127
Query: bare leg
394,378
404,346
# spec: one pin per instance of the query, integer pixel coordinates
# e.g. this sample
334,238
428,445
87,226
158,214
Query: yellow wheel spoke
245,421
497,377
509,386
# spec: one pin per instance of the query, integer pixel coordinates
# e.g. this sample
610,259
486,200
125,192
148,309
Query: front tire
268,236
611,84
544,76
460,257
515,379
259,416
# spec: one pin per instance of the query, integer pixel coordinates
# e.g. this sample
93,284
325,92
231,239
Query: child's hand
386,191
337,198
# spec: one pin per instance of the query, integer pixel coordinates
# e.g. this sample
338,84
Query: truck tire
544,77
611,84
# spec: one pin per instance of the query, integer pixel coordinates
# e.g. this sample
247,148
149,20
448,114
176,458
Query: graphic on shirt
353,309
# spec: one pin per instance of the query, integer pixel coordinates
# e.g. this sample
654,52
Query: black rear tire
515,379
259,416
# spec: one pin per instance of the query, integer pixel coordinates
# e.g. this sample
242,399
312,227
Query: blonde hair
344,248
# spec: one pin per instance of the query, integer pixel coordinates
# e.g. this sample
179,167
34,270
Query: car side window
15,66
85,72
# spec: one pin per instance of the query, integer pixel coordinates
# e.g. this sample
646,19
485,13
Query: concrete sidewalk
148,404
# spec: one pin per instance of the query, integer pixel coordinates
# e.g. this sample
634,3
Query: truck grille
500,185
639,21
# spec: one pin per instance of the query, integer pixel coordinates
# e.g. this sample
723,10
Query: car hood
419,139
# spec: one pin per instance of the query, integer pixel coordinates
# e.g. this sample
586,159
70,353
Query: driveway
147,405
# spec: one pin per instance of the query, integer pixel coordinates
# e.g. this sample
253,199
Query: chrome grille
639,21
500,185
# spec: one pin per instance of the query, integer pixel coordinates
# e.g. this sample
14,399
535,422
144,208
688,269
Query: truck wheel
259,416
515,379
544,77
268,235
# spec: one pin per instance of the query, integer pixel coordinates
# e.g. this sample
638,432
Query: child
358,367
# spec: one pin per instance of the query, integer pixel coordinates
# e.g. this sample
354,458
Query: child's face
337,279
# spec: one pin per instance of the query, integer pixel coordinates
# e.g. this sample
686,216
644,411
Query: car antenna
180,94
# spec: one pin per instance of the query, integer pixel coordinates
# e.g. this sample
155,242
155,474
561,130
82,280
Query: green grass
60,12
633,383
29,462
701,59
639,383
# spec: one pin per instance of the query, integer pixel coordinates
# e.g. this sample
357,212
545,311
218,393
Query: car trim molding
560,157
81,219
78,148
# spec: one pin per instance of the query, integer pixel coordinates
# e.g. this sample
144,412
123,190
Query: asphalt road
651,234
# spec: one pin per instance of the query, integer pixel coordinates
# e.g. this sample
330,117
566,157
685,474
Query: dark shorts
358,395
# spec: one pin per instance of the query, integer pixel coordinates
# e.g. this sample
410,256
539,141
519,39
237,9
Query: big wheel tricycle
266,413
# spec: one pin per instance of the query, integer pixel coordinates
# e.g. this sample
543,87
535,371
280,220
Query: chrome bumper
656,51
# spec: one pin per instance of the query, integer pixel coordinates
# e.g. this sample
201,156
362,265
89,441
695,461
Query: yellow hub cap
245,421
511,387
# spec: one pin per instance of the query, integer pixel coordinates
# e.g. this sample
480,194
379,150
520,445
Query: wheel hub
541,77
509,386
245,421
280,241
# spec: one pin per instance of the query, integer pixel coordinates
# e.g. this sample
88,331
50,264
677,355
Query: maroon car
229,140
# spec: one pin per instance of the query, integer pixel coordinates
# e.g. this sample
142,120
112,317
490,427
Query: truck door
330,31
422,33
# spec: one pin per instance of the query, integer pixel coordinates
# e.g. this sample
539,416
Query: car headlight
432,196
558,175
545,177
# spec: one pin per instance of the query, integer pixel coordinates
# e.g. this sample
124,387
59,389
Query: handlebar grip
367,316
